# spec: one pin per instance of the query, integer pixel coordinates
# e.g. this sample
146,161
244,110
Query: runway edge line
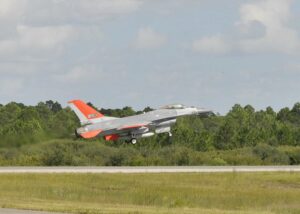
164,169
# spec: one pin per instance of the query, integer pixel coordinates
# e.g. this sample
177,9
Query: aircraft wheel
133,141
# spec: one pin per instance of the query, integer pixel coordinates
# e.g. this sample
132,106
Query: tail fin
84,112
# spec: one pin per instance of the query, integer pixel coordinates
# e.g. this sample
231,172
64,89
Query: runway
15,211
150,169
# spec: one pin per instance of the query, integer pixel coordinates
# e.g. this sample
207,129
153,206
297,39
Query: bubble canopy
174,106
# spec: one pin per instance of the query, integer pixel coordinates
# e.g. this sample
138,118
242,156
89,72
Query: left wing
128,128
132,126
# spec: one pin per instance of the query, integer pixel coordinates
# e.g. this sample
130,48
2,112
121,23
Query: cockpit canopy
174,106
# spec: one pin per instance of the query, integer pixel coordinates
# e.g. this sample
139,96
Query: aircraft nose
200,111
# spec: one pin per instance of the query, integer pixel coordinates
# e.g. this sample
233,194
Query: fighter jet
94,124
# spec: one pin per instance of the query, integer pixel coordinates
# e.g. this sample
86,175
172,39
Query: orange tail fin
84,112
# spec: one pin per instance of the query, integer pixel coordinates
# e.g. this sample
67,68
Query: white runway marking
158,169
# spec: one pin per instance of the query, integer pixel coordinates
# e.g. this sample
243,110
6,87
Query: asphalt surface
15,211
158,169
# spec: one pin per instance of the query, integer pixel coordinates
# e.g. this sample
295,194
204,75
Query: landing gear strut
170,134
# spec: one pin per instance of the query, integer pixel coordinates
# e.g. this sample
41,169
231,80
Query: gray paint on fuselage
146,118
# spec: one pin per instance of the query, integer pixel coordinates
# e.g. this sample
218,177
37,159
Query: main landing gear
133,141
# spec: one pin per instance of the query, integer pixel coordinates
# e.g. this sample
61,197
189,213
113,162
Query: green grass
153,193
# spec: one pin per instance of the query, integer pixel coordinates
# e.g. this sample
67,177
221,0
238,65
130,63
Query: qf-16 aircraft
95,124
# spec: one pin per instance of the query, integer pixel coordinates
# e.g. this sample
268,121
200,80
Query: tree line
43,135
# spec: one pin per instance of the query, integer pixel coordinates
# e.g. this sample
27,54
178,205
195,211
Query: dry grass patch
153,193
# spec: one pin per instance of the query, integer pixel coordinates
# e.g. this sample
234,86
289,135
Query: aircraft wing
128,127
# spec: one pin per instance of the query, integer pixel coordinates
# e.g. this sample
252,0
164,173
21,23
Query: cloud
11,86
251,30
107,7
213,44
8,47
39,41
79,74
275,17
263,27
43,37
47,24
65,10
21,68
147,38
36,40
12,8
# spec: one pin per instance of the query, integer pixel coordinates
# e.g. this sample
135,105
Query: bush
269,154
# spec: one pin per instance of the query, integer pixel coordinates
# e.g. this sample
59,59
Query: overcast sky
208,53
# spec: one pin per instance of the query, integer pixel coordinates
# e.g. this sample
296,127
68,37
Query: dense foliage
42,135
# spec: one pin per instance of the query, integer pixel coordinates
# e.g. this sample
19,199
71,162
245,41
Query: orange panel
111,137
91,134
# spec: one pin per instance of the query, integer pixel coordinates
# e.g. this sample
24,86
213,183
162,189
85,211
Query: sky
116,53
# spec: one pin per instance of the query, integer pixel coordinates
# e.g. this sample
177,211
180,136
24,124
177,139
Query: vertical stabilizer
84,112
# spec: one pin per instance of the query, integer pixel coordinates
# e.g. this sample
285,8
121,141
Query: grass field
153,193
